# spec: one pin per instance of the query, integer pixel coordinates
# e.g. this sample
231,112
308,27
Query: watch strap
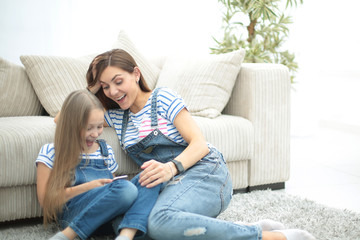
178,165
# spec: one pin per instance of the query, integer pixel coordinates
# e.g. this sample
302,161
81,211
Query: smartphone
120,177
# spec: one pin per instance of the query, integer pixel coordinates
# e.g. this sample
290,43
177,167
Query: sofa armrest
262,95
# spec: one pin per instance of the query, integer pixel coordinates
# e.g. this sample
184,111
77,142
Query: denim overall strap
124,126
103,147
154,120
155,145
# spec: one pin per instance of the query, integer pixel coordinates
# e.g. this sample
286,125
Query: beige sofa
252,128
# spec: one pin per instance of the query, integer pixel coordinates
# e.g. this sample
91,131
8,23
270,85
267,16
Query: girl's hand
156,172
99,182
71,192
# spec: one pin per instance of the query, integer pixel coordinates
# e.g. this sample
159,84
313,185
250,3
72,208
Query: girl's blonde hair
69,143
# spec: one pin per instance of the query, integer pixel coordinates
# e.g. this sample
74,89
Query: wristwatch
178,166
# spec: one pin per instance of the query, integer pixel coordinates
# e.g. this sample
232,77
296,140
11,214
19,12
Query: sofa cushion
232,135
19,202
54,77
205,82
18,97
20,142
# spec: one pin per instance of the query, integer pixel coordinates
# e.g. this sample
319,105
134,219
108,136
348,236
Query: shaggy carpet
323,222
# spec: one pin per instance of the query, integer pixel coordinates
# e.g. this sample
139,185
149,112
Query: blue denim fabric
88,211
108,204
138,214
188,205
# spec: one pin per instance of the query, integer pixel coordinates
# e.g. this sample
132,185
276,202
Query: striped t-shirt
169,104
47,155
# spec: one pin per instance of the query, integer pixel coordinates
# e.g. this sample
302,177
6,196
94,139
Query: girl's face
121,86
94,129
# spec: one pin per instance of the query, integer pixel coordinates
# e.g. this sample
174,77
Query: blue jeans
187,206
123,203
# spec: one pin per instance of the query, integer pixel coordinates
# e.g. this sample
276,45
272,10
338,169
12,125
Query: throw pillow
18,97
205,82
149,70
53,78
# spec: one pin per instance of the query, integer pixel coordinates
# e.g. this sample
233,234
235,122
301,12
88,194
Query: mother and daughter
184,183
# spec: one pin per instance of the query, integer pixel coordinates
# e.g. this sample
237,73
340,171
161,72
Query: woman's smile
120,99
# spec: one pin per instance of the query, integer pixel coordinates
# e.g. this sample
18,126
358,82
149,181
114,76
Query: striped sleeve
171,102
108,119
113,166
46,155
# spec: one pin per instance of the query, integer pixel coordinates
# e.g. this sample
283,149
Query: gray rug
323,222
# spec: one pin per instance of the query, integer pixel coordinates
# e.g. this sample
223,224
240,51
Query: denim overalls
187,205
88,211
155,145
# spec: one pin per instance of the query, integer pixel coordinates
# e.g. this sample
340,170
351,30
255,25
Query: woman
157,131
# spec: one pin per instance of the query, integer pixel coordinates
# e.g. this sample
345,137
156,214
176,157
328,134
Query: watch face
178,166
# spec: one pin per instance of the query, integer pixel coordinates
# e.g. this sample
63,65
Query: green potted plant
261,28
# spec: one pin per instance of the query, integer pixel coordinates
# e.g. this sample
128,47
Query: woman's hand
94,89
156,172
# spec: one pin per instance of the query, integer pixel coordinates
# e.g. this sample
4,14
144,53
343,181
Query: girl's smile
94,129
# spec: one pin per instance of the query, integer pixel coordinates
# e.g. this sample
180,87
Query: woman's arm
57,117
155,172
189,130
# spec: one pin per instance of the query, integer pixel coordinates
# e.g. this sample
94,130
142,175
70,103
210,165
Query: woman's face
120,86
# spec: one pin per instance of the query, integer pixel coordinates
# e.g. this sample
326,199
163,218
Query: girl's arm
196,150
43,174
71,192
42,177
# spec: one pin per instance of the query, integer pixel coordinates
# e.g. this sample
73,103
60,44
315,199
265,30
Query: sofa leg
272,186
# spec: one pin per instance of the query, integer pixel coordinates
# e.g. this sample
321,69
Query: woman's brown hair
115,58
69,143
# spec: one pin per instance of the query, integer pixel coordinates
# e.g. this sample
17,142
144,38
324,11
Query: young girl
157,131
75,184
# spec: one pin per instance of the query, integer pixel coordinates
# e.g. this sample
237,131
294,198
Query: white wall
324,37
326,41
80,27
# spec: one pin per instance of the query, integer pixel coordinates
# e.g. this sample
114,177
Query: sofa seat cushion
22,137
20,141
232,135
